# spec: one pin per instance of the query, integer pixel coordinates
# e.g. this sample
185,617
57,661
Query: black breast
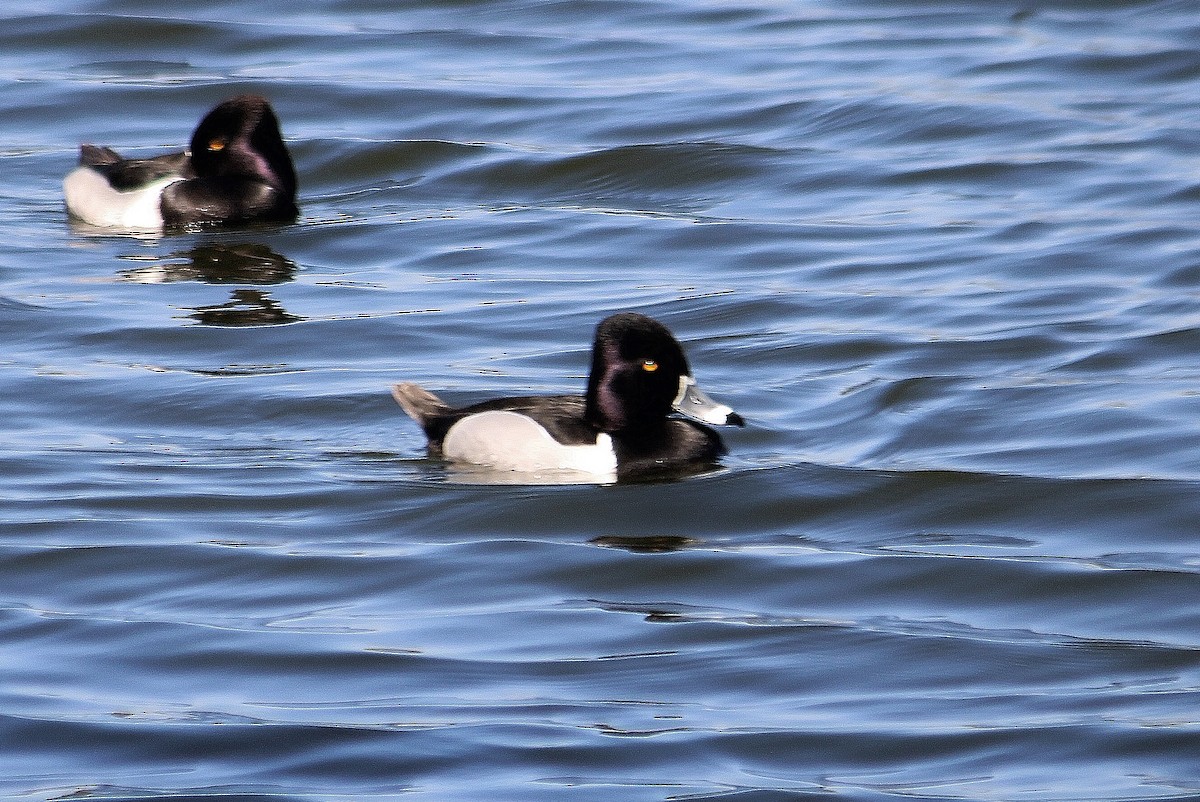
677,448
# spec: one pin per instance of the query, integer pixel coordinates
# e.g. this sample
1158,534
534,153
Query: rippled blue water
941,255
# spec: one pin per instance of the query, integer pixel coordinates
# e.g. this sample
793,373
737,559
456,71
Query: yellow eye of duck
649,365
217,144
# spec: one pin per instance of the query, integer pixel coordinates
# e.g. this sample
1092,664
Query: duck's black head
240,138
640,376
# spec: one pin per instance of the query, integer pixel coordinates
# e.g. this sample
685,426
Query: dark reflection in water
218,263
245,307
226,263
650,544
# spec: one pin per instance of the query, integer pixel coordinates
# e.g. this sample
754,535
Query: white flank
92,199
513,442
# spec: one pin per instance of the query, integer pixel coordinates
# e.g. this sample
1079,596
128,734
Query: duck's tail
94,155
420,404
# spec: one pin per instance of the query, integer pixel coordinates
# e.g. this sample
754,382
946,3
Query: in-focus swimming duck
237,170
621,428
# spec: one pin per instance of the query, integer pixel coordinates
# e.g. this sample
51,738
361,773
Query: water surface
942,257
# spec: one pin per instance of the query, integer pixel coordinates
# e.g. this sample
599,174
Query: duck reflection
226,263
246,307
217,263
648,544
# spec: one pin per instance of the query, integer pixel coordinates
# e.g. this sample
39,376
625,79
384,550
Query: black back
129,174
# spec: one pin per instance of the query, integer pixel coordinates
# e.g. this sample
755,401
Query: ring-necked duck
619,429
237,170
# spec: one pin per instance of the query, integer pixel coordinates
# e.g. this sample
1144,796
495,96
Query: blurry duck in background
237,170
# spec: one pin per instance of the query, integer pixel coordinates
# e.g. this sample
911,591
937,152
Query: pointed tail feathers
420,404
